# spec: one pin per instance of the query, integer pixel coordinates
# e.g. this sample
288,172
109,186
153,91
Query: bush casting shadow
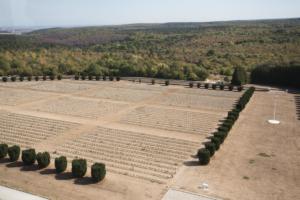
15,164
64,176
84,181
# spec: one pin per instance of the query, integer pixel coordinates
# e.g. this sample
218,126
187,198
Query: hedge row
29,157
29,78
219,137
97,78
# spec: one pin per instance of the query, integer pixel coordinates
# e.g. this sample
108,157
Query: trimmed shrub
104,78
217,142
13,78
227,124
21,78
76,77
98,172
97,78
52,77
211,148
203,156
118,78
43,159
3,150
206,85
223,129
59,77
83,77
167,82
221,87
230,87
140,80
198,85
240,88
79,168
44,78
4,79
111,78
221,135
61,164
239,76
153,82
28,156
14,153
214,86
191,84
36,78
90,77
29,78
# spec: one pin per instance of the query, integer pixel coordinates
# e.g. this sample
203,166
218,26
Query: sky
113,12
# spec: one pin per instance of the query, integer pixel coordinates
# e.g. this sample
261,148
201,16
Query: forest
190,51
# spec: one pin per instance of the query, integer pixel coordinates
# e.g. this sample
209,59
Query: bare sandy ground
257,160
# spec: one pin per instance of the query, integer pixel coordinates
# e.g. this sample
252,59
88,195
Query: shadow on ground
64,176
15,164
84,181
191,163
29,168
4,160
48,171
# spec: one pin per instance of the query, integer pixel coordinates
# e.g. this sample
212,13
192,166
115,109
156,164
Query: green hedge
203,156
3,150
79,167
28,156
98,172
43,159
221,135
211,147
61,164
217,142
14,153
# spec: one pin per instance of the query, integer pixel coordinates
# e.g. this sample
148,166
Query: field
145,134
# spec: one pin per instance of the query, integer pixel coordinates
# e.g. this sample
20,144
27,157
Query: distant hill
169,50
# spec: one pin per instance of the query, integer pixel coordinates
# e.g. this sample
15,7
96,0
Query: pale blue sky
106,12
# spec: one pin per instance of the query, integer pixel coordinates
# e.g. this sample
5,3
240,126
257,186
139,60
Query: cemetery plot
26,131
134,154
18,84
60,86
197,101
206,92
13,97
89,108
122,94
172,119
